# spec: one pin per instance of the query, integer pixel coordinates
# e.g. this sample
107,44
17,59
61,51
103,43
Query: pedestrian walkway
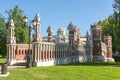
9,67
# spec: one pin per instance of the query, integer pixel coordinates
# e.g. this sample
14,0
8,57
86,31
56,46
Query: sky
59,13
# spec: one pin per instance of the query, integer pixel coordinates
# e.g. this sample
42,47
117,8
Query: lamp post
29,57
36,38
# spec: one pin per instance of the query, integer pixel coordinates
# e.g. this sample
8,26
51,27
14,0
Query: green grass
2,59
76,71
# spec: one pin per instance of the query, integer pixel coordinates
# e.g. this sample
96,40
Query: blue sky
59,13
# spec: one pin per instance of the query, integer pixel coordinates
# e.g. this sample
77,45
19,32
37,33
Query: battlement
95,27
107,37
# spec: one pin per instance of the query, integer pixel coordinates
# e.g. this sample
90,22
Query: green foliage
21,30
111,26
108,29
116,8
21,35
78,71
3,36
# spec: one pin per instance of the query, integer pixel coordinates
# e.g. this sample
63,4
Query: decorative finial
37,17
49,29
11,23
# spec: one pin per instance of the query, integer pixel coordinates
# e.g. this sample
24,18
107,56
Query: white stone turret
36,23
11,39
11,44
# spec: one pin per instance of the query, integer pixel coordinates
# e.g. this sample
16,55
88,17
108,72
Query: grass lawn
76,71
2,59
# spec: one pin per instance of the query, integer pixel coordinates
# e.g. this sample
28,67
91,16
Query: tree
21,30
111,26
108,28
3,36
116,9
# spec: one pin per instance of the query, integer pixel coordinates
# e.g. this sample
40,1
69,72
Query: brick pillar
97,48
108,42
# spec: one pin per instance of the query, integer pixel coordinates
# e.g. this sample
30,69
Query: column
14,52
40,52
11,52
43,52
62,51
35,52
8,52
51,52
58,51
48,52
55,52
65,51
32,52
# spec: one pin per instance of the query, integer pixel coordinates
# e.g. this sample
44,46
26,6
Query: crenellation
100,51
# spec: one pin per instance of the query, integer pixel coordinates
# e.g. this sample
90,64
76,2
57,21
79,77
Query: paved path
14,67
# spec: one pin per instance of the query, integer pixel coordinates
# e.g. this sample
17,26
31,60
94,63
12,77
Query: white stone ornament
38,17
11,22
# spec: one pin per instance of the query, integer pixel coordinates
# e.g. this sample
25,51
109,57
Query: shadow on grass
117,64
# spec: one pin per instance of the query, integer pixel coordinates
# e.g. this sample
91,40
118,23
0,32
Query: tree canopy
111,25
21,30
3,36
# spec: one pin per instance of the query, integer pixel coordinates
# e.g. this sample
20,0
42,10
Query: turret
96,32
36,23
96,37
78,36
11,39
87,35
108,42
97,52
11,44
71,33
49,31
